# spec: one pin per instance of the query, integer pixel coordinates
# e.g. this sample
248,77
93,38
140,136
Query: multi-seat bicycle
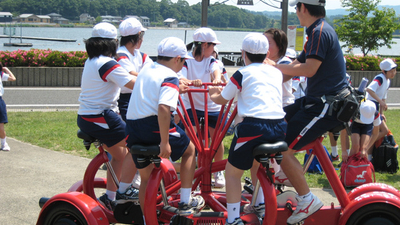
368,204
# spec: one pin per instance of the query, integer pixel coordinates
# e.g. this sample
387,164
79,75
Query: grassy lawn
57,131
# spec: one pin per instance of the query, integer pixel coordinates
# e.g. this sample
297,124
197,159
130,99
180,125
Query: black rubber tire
374,214
64,214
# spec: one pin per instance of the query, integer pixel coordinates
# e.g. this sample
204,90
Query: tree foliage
218,15
366,26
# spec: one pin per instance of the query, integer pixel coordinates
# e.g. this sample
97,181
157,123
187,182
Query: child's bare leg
144,175
355,143
188,166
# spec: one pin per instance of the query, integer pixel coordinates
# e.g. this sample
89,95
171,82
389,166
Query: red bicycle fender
89,208
366,199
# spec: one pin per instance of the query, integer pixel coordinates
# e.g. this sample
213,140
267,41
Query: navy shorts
212,117
146,132
3,111
123,103
250,133
108,127
308,118
360,128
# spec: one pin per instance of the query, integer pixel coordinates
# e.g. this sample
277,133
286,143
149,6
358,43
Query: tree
366,26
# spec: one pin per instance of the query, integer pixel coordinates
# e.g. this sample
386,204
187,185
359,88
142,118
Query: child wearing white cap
102,79
204,68
130,57
361,128
258,88
377,93
149,120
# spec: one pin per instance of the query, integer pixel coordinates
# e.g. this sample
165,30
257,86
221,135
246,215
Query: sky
260,6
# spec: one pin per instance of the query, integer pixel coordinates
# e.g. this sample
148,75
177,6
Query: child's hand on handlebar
197,83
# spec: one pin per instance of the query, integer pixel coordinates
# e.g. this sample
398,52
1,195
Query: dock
39,38
19,44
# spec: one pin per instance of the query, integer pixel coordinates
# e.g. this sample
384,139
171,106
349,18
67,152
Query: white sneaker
304,209
219,179
5,147
280,178
259,210
136,180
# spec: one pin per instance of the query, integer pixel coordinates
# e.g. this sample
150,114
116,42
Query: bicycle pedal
248,188
248,181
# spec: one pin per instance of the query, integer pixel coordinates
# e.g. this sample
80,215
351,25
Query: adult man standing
309,117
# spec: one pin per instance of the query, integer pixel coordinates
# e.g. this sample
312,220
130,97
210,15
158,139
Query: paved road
24,98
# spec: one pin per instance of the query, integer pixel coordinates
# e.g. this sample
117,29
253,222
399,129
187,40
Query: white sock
3,140
334,151
185,195
306,197
369,157
233,211
123,186
260,197
111,195
348,151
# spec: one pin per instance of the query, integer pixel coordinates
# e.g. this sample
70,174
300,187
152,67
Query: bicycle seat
85,136
145,150
269,149
87,139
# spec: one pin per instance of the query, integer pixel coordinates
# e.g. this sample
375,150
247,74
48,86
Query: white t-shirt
131,62
299,84
287,96
380,86
156,84
193,70
259,91
102,78
4,77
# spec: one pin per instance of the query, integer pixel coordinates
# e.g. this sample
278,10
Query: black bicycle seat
269,149
145,150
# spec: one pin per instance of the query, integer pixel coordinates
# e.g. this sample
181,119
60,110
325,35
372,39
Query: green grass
57,131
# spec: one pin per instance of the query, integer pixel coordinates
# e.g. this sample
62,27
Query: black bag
346,103
385,156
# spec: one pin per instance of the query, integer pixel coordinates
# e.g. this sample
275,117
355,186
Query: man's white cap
104,30
310,2
291,53
205,34
387,65
255,43
367,112
173,47
130,26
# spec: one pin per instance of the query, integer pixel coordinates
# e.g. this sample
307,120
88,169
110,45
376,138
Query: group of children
147,94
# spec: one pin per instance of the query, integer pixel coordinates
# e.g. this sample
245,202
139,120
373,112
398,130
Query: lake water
231,40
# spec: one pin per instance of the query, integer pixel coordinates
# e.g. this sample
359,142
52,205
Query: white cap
291,53
310,2
216,50
130,26
367,112
205,34
173,47
255,43
104,30
387,65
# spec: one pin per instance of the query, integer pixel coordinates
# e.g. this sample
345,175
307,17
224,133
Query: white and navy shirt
4,77
259,91
156,84
287,95
299,85
131,62
102,79
380,86
193,70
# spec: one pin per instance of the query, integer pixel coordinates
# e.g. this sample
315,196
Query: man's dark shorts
308,118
